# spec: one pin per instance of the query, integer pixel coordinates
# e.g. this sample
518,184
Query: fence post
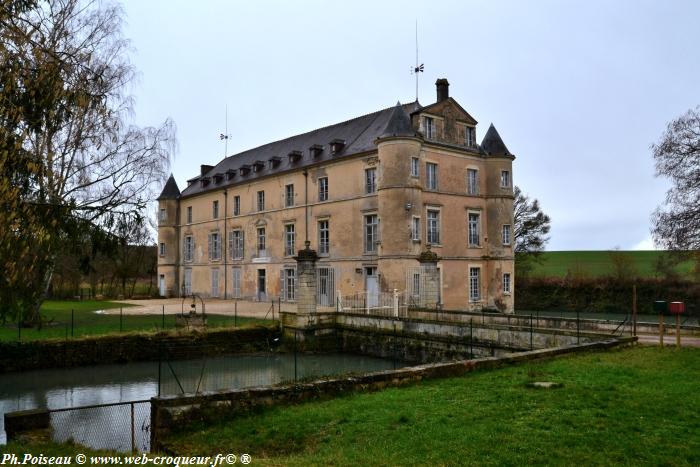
163,322
160,364
634,310
19,326
578,328
133,430
121,319
72,321
396,304
471,337
295,355
531,346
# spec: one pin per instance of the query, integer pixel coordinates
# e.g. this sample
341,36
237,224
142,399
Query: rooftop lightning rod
418,68
225,136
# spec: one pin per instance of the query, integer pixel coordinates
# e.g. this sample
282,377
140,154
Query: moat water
109,427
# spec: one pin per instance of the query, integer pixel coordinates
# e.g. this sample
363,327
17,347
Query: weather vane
418,68
225,136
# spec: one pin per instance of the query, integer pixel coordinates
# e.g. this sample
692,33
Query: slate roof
359,135
493,144
399,123
170,190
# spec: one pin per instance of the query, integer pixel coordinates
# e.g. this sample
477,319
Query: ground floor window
506,283
474,284
289,284
236,286
188,282
215,283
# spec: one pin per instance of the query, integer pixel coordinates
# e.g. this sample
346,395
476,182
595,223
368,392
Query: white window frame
506,234
474,284
429,126
262,241
215,281
506,283
188,248
473,182
189,214
432,226
187,282
289,197
290,237
469,135
323,189
215,209
290,283
161,249
370,180
474,229
236,274
324,245
260,200
215,246
236,205
415,167
505,179
431,176
163,215
415,228
237,244
371,233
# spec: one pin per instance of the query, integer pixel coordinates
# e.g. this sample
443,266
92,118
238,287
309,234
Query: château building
370,194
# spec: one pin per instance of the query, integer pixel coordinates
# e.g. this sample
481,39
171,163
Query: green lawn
85,322
635,406
598,263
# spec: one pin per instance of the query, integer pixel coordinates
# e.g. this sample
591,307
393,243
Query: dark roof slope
170,190
399,123
358,134
493,144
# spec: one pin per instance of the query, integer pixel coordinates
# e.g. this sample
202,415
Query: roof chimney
443,91
205,168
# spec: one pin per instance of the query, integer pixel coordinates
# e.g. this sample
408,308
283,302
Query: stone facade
370,195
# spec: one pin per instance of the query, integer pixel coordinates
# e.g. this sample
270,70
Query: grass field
635,406
85,322
599,263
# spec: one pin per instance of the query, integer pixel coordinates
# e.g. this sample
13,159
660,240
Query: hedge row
603,294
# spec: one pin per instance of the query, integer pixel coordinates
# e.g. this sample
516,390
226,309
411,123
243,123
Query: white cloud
646,244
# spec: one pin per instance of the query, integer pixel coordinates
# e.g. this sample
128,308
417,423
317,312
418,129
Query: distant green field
599,263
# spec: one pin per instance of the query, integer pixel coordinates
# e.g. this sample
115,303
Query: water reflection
105,384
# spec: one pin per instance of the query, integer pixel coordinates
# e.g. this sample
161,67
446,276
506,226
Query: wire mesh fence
122,426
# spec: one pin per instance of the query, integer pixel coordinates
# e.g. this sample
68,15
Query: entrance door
372,286
161,285
262,296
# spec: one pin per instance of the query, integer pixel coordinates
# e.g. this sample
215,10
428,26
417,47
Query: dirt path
213,306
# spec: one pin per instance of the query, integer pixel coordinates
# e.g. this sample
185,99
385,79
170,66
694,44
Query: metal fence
121,426
388,304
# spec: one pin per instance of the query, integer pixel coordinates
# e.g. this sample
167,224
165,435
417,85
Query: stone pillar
306,275
430,295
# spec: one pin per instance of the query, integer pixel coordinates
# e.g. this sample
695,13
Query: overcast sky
577,89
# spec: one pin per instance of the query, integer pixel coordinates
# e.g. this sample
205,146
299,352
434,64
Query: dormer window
470,136
429,127
205,181
316,150
218,178
275,161
245,169
258,166
295,156
230,174
337,145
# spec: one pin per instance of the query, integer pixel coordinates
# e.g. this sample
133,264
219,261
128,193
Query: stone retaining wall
170,412
34,355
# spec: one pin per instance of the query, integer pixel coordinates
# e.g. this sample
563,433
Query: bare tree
676,223
530,228
65,71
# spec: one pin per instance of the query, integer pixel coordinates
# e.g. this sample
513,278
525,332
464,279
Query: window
371,233
214,282
162,216
161,249
474,284
323,189
505,179
474,229
236,286
214,246
431,173
323,237
506,283
415,228
289,284
415,167
416,284
261,200
189,214
236,205
506,234
433,227
469,137
370,180
289,195
215,209
235,244
187,286
189,248
289,239
261,241
429,125
472,181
